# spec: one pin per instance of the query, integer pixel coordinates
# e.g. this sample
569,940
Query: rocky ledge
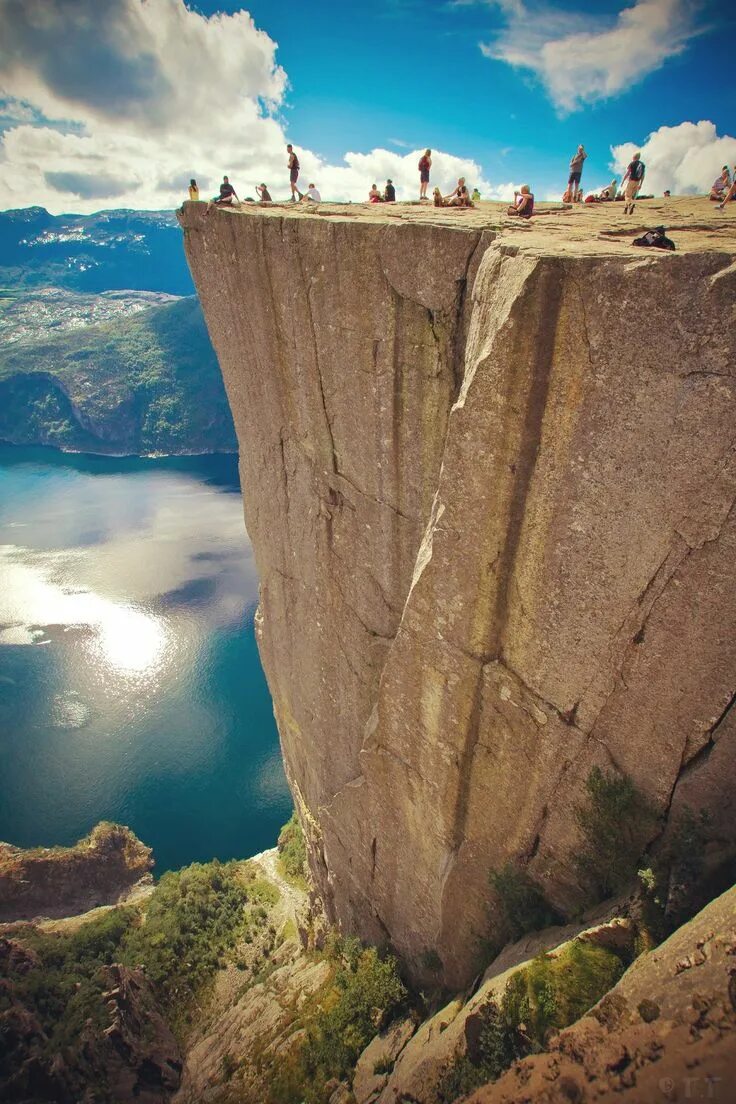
52,882
488,473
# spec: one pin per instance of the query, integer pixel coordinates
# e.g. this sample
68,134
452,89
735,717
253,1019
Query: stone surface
666,1032
376,1063
489,478
448,1036
58,881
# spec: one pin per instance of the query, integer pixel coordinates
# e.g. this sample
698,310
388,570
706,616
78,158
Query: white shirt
313,194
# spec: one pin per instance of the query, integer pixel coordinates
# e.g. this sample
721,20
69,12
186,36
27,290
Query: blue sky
412,70
144,94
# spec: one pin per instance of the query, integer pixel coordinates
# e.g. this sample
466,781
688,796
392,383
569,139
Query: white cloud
581,58
153,93
684,159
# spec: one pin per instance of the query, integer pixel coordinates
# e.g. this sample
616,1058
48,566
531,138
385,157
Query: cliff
488,477
100,869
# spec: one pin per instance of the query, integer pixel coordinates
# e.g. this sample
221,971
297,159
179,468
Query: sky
117,103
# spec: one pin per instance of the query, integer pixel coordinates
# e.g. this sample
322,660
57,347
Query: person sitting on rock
460,197
437,197
193,191
720,185
227,194
264,196
523,205
311,195
389,195
731,193
374,196
475,196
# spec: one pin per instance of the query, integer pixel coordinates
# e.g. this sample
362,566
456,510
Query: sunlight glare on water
130,684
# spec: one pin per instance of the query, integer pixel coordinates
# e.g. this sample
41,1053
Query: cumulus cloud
125,100
685,159
581,58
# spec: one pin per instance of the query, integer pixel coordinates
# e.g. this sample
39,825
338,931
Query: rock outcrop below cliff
488,476
667,1031
58,881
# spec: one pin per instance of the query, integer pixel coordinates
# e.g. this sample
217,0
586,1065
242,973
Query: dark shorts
294,176
424,176
575,177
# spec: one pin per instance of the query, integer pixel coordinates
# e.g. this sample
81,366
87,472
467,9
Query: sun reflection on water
131,641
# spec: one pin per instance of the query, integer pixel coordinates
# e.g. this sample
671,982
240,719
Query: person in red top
293,164
425,164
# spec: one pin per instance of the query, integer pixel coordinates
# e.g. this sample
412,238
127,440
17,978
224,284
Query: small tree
615,823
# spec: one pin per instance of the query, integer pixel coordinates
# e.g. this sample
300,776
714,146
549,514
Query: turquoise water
130,683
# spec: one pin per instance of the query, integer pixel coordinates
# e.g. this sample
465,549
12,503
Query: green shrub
523,905
367,994
615,823
194,916
292,849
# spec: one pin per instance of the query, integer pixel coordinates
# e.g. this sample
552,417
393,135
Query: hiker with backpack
293,164
425,164
632,182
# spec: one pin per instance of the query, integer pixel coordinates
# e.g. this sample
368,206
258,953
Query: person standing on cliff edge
576,173
425,164
293,164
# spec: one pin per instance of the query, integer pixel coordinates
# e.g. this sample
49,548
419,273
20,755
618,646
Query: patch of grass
552,992
615,823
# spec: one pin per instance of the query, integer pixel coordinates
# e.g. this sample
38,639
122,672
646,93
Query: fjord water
130,683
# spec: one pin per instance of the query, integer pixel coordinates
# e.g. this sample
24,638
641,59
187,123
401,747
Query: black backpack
655,239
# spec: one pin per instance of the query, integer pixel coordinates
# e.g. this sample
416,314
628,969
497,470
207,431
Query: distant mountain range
103,347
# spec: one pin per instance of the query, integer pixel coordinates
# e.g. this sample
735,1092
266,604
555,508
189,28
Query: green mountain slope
141,384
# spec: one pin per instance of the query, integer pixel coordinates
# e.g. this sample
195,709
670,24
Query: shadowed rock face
489,483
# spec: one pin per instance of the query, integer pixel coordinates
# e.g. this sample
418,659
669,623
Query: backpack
655,239
637,170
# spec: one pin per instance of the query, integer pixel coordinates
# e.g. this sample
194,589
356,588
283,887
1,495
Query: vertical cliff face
489,482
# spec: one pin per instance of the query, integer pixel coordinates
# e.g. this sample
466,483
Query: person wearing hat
264,196
389,196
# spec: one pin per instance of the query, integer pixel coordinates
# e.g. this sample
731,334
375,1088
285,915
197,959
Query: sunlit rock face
489,484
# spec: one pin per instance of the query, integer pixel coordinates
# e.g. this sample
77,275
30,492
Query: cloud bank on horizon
119,102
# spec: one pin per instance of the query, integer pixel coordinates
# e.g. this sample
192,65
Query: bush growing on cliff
615,823
366,995
63,987
192,919
292,849
524,907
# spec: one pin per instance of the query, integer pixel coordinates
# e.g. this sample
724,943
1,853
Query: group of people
723,190
630,185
